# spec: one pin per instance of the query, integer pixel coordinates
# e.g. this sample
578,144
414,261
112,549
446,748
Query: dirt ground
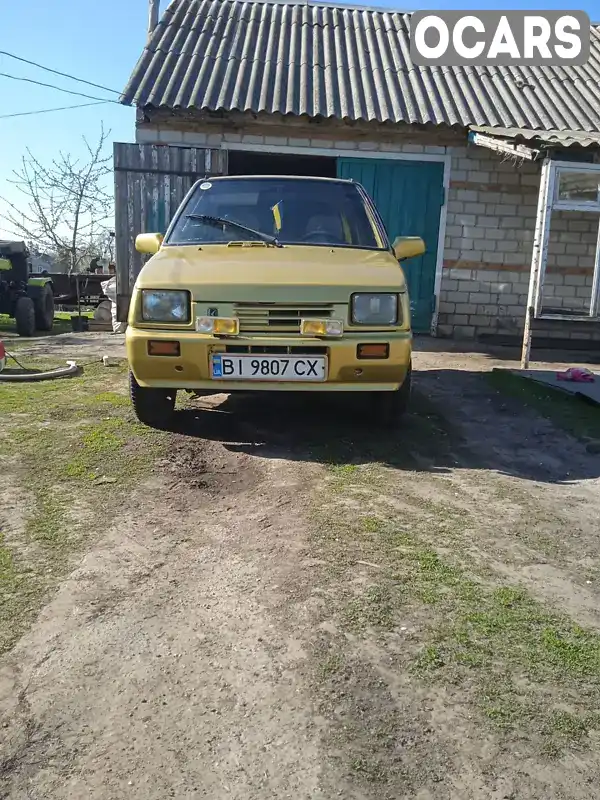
292,605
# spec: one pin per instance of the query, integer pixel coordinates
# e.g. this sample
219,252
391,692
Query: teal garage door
409,196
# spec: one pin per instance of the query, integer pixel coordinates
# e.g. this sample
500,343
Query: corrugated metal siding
150,183
344,63
558,138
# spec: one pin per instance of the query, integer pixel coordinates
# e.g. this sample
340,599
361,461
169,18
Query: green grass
67,443
528,669
62,323
572,414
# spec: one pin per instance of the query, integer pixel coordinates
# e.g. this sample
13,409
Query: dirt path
227,638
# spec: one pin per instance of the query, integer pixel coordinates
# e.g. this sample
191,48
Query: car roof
279,177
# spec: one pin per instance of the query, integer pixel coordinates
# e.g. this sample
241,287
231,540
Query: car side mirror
408,247
148,242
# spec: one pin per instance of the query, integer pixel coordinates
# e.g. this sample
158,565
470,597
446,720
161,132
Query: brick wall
491,210
491,218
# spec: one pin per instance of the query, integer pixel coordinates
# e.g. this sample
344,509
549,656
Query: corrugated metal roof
556,138
347,63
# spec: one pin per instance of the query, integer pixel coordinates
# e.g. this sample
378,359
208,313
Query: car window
295,211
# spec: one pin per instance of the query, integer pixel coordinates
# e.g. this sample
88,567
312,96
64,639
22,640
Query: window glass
304,211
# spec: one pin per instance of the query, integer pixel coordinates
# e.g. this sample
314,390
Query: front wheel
25,316
44,309
153,407
391,406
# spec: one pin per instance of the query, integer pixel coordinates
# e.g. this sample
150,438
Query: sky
100,41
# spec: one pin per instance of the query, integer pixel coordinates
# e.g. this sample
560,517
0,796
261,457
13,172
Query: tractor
28,298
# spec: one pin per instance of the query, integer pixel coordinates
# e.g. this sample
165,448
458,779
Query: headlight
165,306
375,309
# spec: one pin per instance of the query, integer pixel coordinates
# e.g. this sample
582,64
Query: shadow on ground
457,421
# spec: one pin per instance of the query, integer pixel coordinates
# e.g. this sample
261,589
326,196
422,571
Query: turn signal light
157,347
373,351
321,327
218,326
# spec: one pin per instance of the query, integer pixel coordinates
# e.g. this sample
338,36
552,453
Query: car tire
25,316
44,309
153,407
392,406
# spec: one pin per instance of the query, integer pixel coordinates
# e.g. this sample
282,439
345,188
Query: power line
58,88
48,110
57,72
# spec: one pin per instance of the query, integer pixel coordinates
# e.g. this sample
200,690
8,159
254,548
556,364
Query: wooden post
538,259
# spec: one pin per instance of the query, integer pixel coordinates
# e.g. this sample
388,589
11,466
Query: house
455,155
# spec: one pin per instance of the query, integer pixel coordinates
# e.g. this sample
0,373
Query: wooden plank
150,183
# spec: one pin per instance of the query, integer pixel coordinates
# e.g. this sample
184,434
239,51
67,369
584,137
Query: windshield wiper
266,237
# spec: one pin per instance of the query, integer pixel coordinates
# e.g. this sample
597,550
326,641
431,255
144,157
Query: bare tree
67,210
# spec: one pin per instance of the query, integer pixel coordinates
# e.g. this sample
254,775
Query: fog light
218,326
321,327
156,347
373,351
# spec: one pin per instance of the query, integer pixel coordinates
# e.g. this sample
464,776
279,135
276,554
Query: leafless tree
66,209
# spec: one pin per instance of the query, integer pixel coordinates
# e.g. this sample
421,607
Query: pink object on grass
576,374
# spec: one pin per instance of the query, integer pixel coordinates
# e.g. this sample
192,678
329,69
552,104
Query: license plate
269,368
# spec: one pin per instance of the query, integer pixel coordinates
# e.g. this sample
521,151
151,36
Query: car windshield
276,211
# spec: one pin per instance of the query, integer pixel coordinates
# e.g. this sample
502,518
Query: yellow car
271,283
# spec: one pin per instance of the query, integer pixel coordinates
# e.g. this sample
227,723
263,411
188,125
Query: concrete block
479,319
232,137
460,274
464,331
585,261
581,250
581,225
474,232
466,219
449,284
146,135
460,319
322,144
281,141
488,222
434,149
299,142
445,331
479,298
450,253
507,246
374,146
216,139
413,148
465,163
565,261
194,139
344,144
493,257
455,206
458,174
169,136
447,307
479,176
505,210
454,230
466,195
458,296
473,208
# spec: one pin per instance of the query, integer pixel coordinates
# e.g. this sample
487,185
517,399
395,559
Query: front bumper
191,369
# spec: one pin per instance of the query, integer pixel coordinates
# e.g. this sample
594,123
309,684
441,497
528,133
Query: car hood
326,274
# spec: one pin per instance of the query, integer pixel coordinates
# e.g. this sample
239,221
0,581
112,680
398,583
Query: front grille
276,350
276,317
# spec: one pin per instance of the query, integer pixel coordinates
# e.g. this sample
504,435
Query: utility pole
153,9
